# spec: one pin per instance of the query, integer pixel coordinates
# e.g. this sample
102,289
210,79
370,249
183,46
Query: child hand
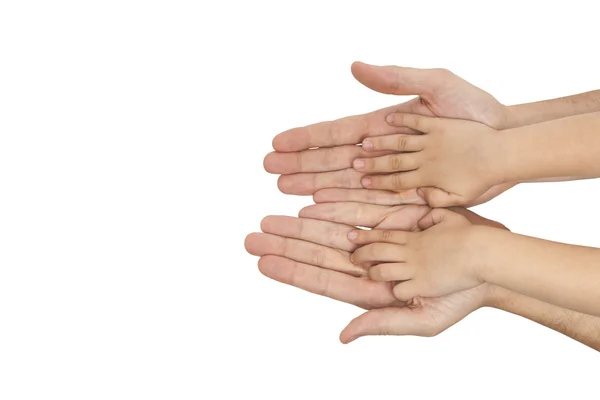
438,261
454,161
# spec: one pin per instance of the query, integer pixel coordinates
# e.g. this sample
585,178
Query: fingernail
366,182
367,144
358,164
352,235
390,118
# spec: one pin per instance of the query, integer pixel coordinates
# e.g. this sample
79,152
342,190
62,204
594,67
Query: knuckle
385,236
318,258
395,162
397,181
335,130
323,283
443,72
416,122
331,157
402,143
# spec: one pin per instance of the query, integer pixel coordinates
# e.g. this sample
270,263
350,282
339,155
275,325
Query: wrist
495,296
479,247
509,117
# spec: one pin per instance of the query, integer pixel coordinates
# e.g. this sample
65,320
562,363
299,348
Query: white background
131,142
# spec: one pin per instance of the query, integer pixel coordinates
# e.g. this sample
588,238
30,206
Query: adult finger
325,233
316,160
364,236
308,183
363,293
391,79
348,130
359,214
369,196
261,244
386,321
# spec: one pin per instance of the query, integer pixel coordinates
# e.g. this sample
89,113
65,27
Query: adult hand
305,170
326,227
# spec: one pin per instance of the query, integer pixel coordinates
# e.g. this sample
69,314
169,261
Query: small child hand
438,261
454,161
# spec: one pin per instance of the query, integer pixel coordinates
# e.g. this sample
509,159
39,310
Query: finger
380,197
309,183
391,272
369,215
398,182
261,244
385,321
348,130
363,293
395,142
379,252
439,215
362,236
389,163
355,214
437,197
397,80
405,291
417,122
316,160
325,233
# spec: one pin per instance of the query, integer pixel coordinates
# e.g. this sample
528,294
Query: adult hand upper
317,159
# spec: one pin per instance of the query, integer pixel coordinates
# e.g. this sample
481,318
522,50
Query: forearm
565,275
558,149
541,111
581,327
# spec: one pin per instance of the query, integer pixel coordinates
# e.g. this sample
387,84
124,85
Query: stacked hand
421,267
300,252
317,159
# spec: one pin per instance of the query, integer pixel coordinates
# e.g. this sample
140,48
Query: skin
452,254
330,224
317,159
320,156
456,161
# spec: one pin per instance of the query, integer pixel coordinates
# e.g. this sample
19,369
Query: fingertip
319,197
304,212
346,336
353,235
366,182
367,145
283,185
358,164
266,222
275,163
250,243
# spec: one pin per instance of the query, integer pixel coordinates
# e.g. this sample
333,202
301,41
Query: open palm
286,258
320,156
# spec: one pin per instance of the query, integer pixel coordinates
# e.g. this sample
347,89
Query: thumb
437,215
437,197
391,79
383,321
